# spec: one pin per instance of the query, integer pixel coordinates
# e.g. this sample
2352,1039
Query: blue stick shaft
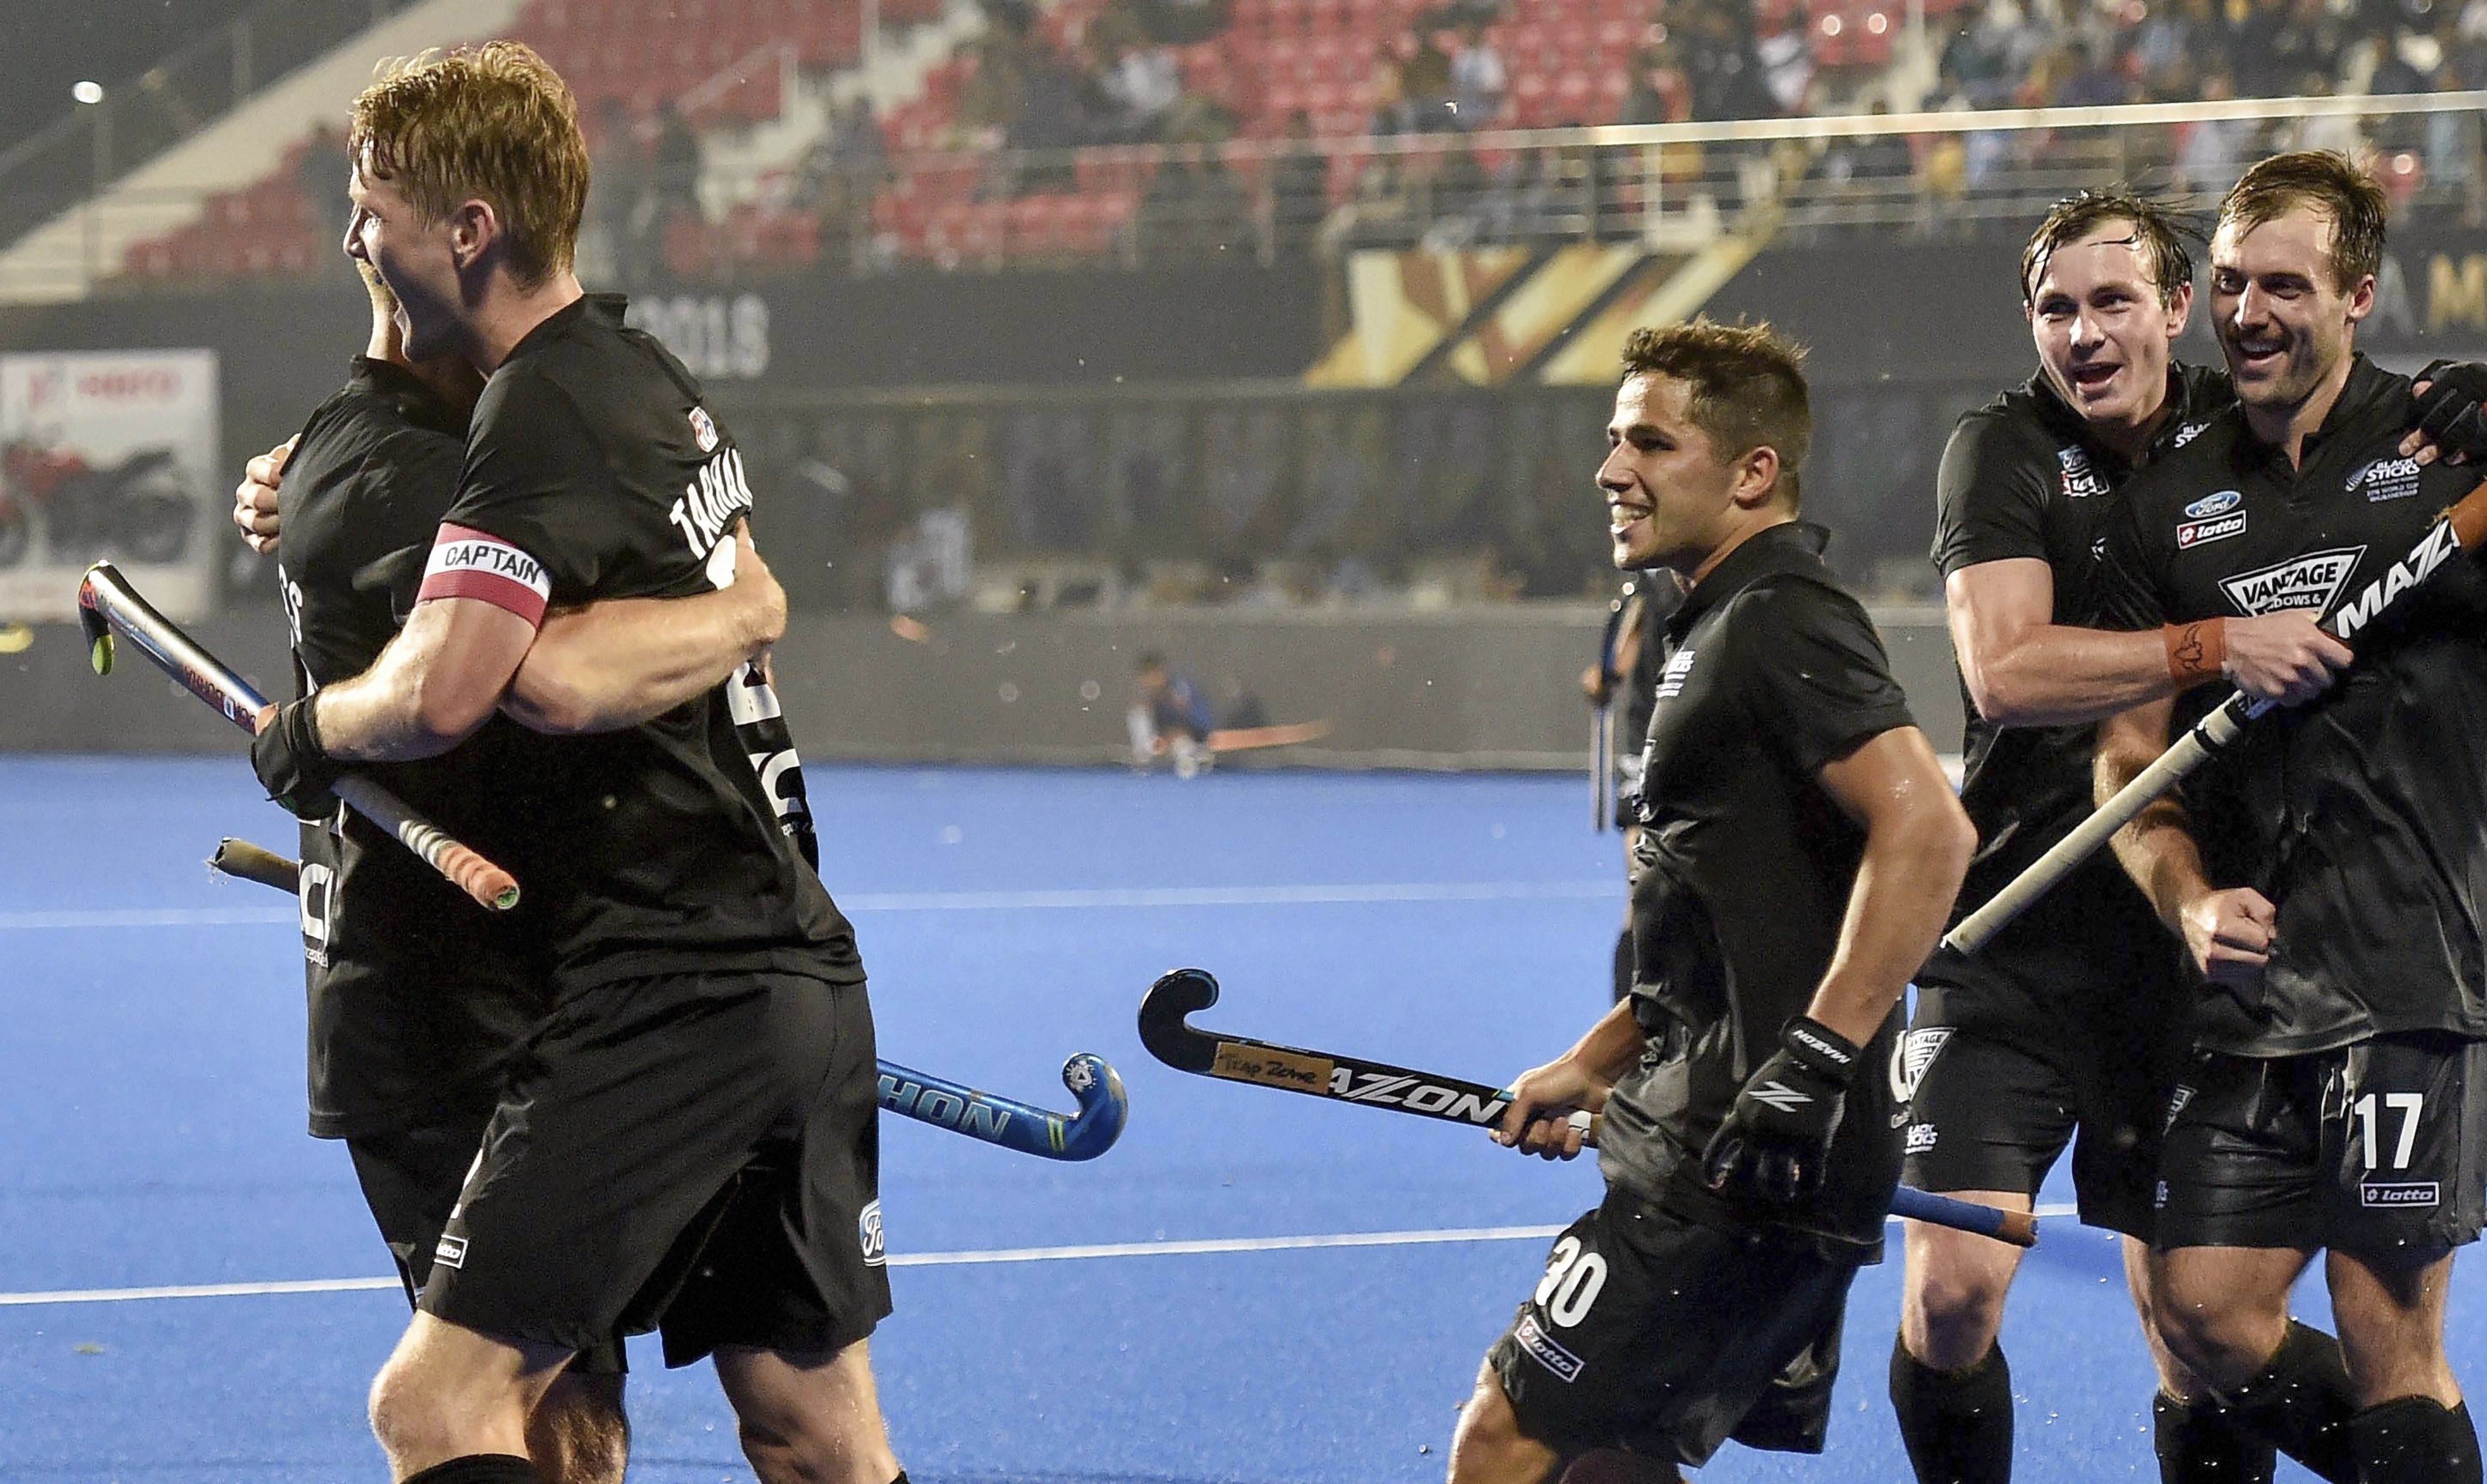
1009,1123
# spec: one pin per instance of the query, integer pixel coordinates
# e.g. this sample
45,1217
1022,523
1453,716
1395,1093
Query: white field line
1095,1252
1070,899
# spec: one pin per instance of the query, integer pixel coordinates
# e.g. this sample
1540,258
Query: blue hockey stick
918,1094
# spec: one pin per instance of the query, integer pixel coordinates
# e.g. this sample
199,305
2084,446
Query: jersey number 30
1573,1278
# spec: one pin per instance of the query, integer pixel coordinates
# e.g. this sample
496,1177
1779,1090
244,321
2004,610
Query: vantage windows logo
2311,581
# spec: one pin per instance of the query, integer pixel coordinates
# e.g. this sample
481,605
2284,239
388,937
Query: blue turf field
150,1098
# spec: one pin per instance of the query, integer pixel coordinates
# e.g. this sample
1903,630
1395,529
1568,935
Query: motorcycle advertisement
107,454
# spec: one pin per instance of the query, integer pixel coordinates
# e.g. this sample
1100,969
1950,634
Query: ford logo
2213,504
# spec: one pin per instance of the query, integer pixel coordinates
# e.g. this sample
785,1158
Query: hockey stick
927,1098
2461,528
1601,719
1165,1031
108,605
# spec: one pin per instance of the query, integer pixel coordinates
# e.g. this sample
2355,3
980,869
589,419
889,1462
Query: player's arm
622,661
1777,1138
1917,845
1542,1098
436,683
2228,932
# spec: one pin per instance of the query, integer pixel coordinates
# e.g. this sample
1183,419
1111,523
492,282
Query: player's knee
1960,1303
1488,1446
410,1419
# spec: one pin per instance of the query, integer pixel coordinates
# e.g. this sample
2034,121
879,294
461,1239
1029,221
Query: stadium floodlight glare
87,92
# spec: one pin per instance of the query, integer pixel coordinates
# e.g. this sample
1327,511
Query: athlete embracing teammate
688,1137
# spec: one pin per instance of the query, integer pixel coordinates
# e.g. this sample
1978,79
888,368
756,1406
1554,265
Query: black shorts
2377,1148
1668,1337
411,1178
695,1153
1987,1114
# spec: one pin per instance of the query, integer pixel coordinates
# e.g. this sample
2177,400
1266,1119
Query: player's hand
1776,1140
2446,409
2231,935
2283,656
292,764
1595,685
1539,1119
764,601
256,501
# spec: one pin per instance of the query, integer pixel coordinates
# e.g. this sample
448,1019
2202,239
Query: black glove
2447,410
292,764
1777,1138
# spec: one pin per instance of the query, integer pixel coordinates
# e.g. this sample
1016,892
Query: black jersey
594,470
2024,477
2363,816
1743,875
416,999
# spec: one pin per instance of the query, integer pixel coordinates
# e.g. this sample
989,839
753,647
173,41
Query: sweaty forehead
1646,397
2110,254
2297,239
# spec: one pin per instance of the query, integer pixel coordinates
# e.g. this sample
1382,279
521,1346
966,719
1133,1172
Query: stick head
1177,993
92,621
1104,1105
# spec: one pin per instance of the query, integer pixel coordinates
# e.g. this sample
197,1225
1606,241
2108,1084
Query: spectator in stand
1298,177
1182,23
1425,79
838,178
1722,58
677,172
616,195
1479,81
1194,210
1658,91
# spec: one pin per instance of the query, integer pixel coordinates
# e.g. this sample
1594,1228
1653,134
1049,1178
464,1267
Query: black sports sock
2414,1439
2201,1444
2302,1403
1957,1424
480,1469
1623,964
902,1477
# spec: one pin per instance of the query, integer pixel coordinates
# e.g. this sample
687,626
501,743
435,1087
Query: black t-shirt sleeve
1823,683
1990,497
2128,587
531,477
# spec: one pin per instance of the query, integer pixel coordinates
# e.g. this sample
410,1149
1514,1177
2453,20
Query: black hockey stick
1104,1105
1172,1040
1601,720
2461,528
108,605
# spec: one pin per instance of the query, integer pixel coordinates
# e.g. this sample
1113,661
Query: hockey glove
292,764
1777,1138
2447,411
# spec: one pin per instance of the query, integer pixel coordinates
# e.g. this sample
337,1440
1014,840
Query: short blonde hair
494,122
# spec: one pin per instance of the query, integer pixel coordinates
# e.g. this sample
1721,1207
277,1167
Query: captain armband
474,564
2195,650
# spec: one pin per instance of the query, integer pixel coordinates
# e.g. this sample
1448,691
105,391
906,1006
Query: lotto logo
2411,1193
1543,1349
450,1253
868,1236
2196,533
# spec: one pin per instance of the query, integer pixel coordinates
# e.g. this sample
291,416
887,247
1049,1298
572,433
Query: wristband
1821,1049
2196,651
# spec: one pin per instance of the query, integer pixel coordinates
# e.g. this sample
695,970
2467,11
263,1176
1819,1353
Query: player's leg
2239,1219
411,1178
450,1394
1986,1120
789,1279
808,1418
1143,730
2411,1426
2407,1120
1488,1445
579,1433
2196,1437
